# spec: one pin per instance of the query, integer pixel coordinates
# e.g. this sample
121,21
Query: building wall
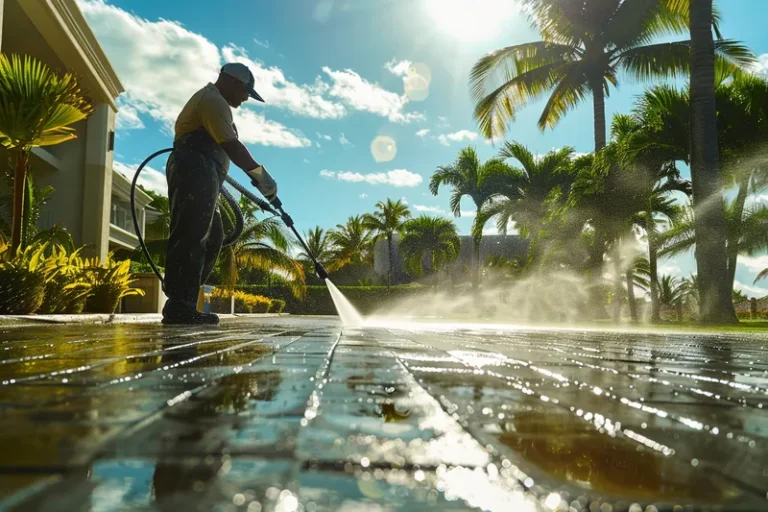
509,246
80,171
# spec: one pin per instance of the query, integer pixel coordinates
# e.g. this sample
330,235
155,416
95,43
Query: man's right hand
262,180
242,158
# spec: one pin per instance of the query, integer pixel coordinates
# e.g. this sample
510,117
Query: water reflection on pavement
299,414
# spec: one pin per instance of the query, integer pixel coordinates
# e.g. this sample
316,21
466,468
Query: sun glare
471,20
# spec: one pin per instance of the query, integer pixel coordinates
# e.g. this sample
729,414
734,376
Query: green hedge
366,299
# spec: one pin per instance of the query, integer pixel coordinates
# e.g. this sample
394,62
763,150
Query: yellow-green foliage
67,291
244,302
109,282
23,278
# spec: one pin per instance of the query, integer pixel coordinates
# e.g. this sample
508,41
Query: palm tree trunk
737,228
19,187
631,294
598,98
618,287
653,263
709,222
391,263
476,266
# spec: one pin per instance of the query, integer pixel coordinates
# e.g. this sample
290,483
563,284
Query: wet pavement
300,414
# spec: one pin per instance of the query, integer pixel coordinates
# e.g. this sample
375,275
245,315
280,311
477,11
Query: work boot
193,317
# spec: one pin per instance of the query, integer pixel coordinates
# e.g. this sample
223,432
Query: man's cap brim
253,94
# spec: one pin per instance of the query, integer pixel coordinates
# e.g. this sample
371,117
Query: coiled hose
239,220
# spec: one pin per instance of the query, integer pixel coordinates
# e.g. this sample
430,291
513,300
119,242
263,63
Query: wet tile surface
300,414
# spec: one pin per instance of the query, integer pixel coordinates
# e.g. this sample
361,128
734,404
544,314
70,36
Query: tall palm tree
524,193
388,219
319,243
470,178
656,178
585,46
263,246
433,237
742,133
670,291
37,108
709,222
352,243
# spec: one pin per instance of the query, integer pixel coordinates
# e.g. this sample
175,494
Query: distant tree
435,238
388,220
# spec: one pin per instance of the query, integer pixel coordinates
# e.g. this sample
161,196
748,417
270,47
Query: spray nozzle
320,271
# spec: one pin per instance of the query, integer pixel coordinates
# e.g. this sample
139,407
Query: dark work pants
196,228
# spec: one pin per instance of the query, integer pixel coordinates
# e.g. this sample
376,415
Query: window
121,214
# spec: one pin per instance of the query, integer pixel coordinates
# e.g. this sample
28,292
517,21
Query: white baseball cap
244,75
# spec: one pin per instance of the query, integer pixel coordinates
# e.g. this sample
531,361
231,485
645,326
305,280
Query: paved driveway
299,414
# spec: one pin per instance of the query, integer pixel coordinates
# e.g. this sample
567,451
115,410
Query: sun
470,20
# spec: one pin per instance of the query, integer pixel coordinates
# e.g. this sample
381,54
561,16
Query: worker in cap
205,141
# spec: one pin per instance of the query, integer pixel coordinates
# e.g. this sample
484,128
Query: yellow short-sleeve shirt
207,108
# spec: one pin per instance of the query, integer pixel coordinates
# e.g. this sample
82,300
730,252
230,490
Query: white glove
262,180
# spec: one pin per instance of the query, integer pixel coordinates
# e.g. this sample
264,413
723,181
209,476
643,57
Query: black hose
239,221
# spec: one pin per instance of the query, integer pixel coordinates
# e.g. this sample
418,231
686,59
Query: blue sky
335,80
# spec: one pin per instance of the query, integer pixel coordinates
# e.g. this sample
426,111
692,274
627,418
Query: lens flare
383,148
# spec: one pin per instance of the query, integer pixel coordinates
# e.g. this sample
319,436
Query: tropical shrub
109,282
276,306
24,274
66,292
244,302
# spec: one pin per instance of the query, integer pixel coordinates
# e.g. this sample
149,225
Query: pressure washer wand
288,221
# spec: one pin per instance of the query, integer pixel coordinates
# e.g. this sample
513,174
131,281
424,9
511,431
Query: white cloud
429,209
755,264
396,177
306,161
344,141
459,136
423,132
468,213
128,118
761,66
360,94
162,64
491,229
270,82
442,122
670,269
149,178
321,136
749,290
254,128
317,144
263,44
404,200
363,196
401,68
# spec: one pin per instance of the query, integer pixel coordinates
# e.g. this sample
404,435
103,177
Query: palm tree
742,134
432,237
470,178
670,291
524,194
586,44
319,243
655,179
37,108
388,219
263,246
352,243
709,222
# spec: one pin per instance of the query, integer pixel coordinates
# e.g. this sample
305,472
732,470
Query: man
205,142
